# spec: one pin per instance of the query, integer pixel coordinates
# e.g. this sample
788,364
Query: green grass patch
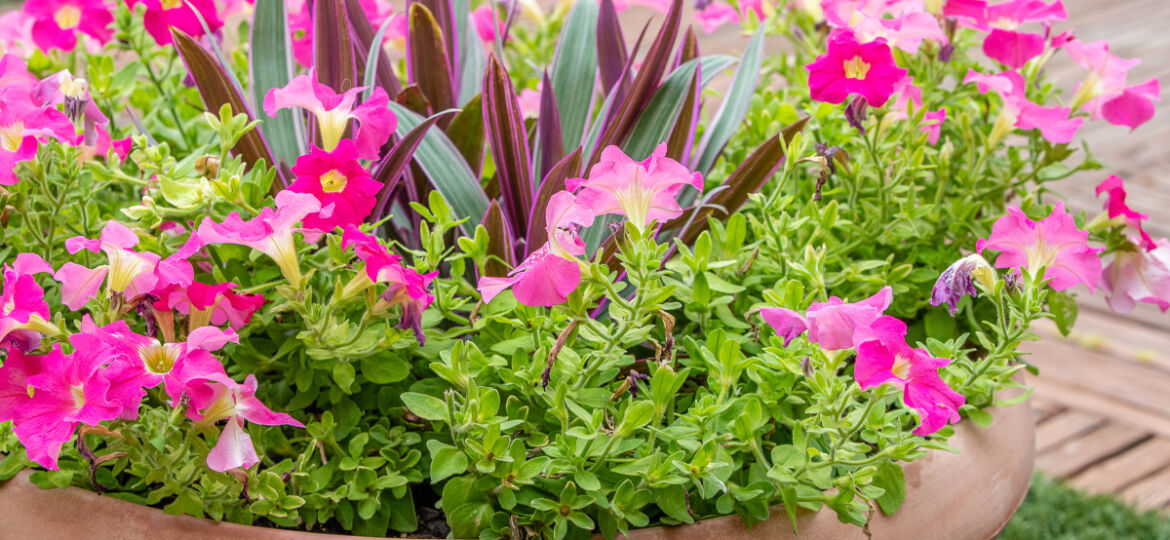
1053,511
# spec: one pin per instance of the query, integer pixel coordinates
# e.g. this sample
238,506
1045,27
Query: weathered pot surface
971,494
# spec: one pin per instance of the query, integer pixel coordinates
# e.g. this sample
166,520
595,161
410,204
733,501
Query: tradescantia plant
495,272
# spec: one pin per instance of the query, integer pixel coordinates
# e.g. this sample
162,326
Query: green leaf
271,67
384,368
735,106
1063,307
673,501
638,415
344,375
574,71
467,520
658,118
446,461
890,478
441,161
424,406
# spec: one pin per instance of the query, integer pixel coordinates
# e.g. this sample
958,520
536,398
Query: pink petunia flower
218,397
1139,275
551,273
270,233
338,180
17,36
1008,45
407,288
56,23
715,13
24,314
1053,243
23,124
850,67
334,111
1105,92
829,324
1116,207
209,304
885,358
903,24
486,24
162,15
128,272
644,191
1018,112
48,397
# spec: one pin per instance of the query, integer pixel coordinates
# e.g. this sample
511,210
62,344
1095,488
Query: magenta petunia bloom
1139,275
217,397
1008,45
128,272
1017,111
829,324
850,67
334,111
48,397
885,358
56,23
24,314
162,15
1105,92
407,288
644,191
1053,243
270,233
1116,207
338,180
903,24
209,304
551,273
23,124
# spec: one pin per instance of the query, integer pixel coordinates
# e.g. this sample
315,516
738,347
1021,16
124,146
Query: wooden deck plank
1080,453
1140,386
1150,493
1109,407
1064,426
1122,470
1043,408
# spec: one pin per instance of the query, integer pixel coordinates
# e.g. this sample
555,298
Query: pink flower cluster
1053,245
883,356
644,192
406,288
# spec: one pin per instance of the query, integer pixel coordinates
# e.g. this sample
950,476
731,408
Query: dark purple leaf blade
548,130
390,170
509,143
333,55
501,256
427,59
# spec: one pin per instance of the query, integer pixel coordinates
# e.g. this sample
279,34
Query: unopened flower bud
856,113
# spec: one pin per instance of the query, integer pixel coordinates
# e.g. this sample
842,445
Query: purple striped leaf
427,60
333,55
363,38
548,130
501,257
217,89
611,47
681,142
509,143
467,132
390,170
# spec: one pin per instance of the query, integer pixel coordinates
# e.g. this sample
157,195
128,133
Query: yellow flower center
333,181
78,393
856,68
125,265
11,137
1004,23
67,17
332,125
171,4
9,305
901,368
159,358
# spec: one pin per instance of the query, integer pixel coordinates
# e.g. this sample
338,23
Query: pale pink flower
644,191
17,36
486,24
829,324
715,13
162,15
338,180
885,358
334,111
218,397
1105,92
23,125
1018,112
57,23
270,233
1053,243
1139,275
129,273
851,67
903,24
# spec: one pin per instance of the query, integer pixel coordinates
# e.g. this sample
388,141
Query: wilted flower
884,357
1053,243
958,280
334,111
850,67
829,324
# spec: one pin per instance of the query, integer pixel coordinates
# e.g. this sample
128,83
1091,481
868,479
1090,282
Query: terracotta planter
971,494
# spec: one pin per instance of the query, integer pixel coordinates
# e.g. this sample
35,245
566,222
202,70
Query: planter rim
993,467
